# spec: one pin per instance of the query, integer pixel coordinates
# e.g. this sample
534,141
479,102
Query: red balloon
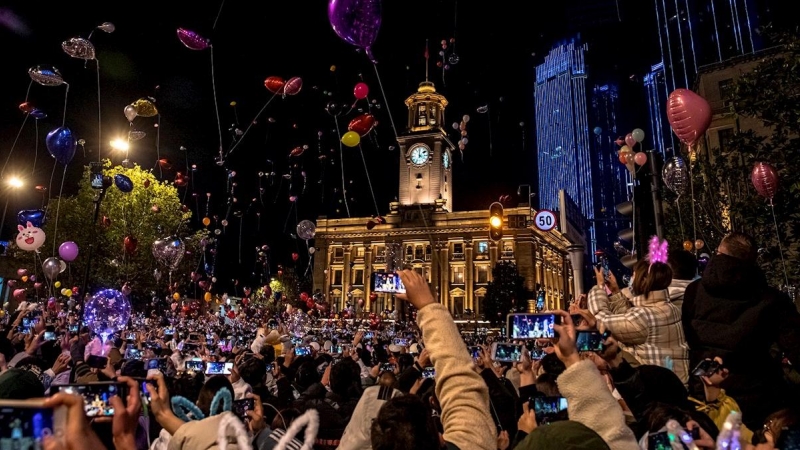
361,91
629,140
274,84
295,257
130,244
765,180
689,115
26,107
19,294
304,296
362,124
293,86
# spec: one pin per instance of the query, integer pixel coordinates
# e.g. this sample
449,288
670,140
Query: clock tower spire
425,151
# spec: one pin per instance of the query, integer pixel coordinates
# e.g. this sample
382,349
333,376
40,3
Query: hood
273,337
729,277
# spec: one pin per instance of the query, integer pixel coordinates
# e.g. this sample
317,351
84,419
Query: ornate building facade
452,250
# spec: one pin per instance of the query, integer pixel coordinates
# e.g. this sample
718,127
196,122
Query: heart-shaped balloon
357,22
192,40
689,115
362,124
34,216
79,48
46,75
61,144
274,84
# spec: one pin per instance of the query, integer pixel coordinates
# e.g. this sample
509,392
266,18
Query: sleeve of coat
590,402
462,393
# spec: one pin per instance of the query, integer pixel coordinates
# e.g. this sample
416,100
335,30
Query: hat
414,348
20,384
315,346
395,348
564,435
327,345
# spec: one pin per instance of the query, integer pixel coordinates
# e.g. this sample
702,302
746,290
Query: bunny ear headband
659,251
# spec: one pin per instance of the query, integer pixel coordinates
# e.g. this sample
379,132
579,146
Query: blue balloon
35,216
38,114
598,131
123,183
61,144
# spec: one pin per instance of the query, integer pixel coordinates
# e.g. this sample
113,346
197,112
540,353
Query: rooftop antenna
427,59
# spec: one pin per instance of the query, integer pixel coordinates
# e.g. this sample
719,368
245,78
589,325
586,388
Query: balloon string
369,182
14,144
99,115
158,148
50,187
64,115
219,13
214,87
58,207
35,148
28,93
241,227
341,164
385,101
780,246
252,122
680,218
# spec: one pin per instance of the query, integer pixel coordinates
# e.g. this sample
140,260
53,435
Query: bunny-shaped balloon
30,238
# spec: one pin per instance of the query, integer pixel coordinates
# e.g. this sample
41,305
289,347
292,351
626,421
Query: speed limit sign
545,220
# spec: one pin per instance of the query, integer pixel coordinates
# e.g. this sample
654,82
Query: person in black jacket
732,313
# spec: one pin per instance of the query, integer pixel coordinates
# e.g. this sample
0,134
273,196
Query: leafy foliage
506,290
725,197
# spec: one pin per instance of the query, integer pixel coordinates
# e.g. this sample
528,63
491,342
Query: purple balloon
192,40
356,21
68,251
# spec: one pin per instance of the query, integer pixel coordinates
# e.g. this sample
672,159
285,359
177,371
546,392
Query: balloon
357,22
61,144
306,230
79,48
688,245
361,91
333,108
629,140
638,134
107,312
19,294
108,27
68,251
676,175
206,221
135,135
362,124
351,139
145,107
26,107
597,130
62,266
169,251
295,257
312,250
293,86
192,40
46,75
123,183
640,158
30,238
765,180
130,243
130,112
274,84
38,114
51,268
689,115
35,216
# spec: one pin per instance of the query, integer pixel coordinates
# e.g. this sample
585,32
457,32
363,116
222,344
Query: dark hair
210,389
307,375
740,246
346,378
552,365
777,423
268,352
649,278
683,265
404,422
546,384
657,414
252,369
405,361
285,418
134,368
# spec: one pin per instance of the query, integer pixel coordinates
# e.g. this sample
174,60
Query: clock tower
425,152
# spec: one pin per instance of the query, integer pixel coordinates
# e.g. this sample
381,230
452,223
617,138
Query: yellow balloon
333,68
207,296
145,108
206,221
57,284
25,279
64,291
351,139
176,296
2,313
67,292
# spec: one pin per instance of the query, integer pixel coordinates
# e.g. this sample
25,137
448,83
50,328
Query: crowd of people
687,361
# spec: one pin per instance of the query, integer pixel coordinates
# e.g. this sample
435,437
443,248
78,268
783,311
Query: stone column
367,276
322,260
436,258
469,275
346,274
444,276
576,253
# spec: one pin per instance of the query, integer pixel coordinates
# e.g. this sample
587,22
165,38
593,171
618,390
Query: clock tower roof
426,108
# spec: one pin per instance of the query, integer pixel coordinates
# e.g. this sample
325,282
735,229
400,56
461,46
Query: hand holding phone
27,422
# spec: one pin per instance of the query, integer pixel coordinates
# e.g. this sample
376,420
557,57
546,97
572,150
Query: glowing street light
120,144
15,182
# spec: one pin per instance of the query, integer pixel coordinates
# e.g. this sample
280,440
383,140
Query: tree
152,210
505,292
726,198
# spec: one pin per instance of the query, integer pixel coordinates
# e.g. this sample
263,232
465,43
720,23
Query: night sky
498,47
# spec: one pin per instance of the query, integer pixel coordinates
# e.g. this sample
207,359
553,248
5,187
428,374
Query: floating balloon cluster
461,127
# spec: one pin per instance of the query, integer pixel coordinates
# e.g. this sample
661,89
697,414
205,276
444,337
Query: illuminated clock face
446,159
419,155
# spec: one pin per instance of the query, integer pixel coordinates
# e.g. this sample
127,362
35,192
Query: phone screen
387,367
532,326
96,396
29,322
302,351
49,335
24,428
133,353
96,170
240,407
387,283
589,341
218,368
194,365
549,409
706,368
659,441
507,352
429,372
73,328
157,364
475,352
401,342
537,353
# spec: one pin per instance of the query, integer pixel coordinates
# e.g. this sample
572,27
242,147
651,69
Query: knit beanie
564,435
20,384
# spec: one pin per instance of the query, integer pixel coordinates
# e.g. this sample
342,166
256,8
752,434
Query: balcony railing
507,254
458,257
380,259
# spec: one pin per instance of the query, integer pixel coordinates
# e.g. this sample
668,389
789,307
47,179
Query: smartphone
240,408
143,386
73,328
131,337
369,335
96,173
429,372
97,396
401,342
218,368
49,335
659,441
590,341
133,353
536,353
302,351
475,351
30,322
157,364
549,409
97,362
195,365
169,331
532,326
506,352
389,283
706,368
296,340
26,422
336,350
387,367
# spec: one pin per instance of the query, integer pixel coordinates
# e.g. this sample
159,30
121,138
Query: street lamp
13,183
120,144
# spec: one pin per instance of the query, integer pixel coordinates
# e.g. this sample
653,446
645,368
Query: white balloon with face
30,238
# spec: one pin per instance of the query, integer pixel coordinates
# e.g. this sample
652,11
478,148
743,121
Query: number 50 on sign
545,220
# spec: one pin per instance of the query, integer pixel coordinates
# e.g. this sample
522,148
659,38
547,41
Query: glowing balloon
79,48
108,27
640,158
689,115
629,140
51,268
123,183
357,22
107,312
192,40
274,84
30,238
362,124
597,130
35,216
130,112
765,180
169,251
293,86
351,139
676,175
306,230
46,75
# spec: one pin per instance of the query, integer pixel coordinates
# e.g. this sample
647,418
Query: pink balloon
22,272
640,158
629,140
192,40
689,115
765,180
361,91
19,294
293,86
